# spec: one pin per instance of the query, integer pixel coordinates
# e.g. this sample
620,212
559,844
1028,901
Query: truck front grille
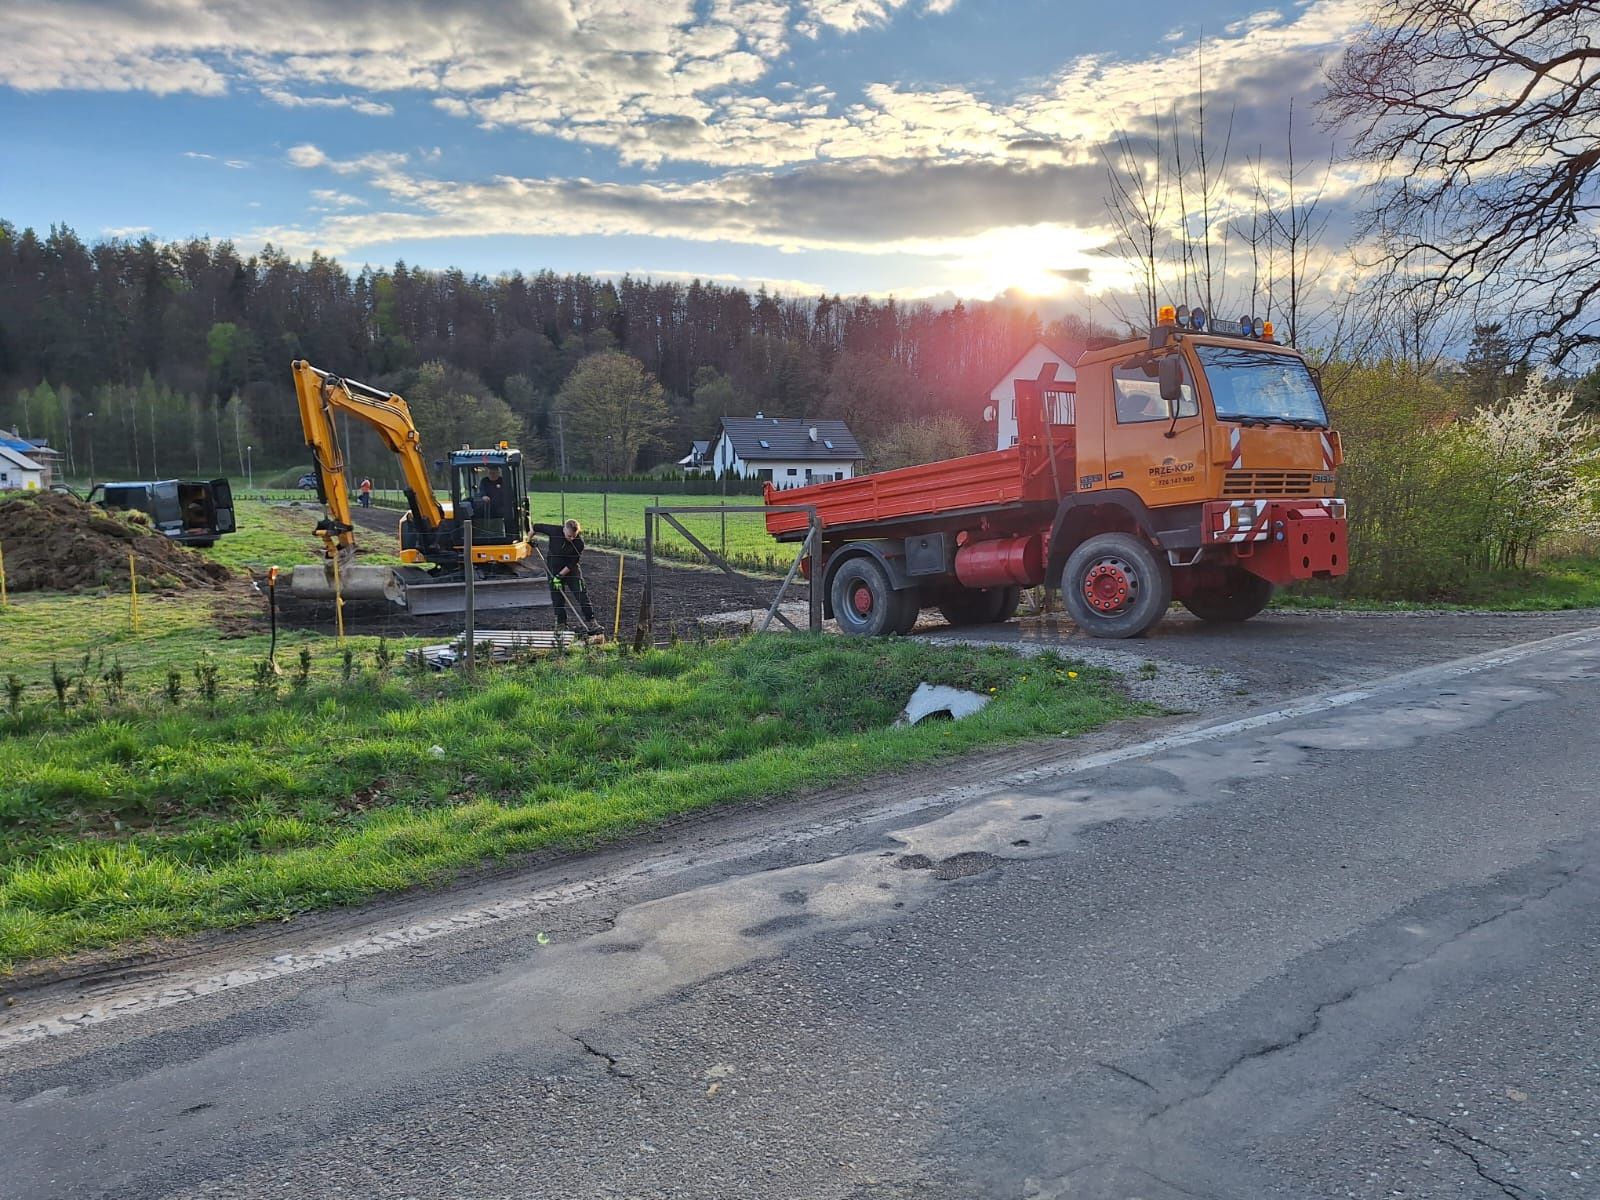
1268,483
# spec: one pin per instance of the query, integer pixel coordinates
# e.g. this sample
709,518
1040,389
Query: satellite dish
989,414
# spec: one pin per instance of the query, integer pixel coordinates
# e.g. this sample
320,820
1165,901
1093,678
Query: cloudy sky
914,147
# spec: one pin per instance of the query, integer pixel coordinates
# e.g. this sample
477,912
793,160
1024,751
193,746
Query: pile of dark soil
55,542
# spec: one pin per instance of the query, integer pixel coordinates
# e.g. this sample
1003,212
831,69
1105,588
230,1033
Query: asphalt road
1348,948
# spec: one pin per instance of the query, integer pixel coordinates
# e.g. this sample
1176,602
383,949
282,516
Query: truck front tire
1239,596
1114,586
865,603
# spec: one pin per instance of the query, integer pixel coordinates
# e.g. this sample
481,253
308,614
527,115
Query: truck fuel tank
1001,562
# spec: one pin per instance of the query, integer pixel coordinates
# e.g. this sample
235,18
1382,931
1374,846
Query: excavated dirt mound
55,542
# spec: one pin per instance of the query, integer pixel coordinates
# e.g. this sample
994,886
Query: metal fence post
472,614
814,553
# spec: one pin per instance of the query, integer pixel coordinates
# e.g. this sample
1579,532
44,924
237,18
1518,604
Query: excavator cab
489,485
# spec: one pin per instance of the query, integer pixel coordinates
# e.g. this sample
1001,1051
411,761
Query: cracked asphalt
1347,950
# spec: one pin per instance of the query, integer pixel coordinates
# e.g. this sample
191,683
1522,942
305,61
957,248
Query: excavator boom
322,395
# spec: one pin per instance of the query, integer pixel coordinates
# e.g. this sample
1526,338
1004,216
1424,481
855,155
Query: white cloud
287,99
238,164
197,154
126,231
309,157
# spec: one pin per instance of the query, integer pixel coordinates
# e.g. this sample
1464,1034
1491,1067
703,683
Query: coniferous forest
181,352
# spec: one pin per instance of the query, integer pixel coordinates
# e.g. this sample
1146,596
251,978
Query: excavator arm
323,395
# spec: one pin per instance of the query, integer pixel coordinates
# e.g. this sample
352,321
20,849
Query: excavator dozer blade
422,594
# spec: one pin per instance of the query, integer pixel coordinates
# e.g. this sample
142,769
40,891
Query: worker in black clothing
492,494
566,576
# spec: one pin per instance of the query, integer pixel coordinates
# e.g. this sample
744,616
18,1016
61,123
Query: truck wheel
864,603
1239,597
979,606
1114,586
910,610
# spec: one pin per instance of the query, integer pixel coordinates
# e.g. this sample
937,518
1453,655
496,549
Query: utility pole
561,440
249,467
88,421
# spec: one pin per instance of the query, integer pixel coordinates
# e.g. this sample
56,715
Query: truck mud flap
423,594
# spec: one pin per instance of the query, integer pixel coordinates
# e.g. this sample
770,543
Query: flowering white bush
1541,471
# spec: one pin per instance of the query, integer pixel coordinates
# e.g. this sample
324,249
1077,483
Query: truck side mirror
1172,382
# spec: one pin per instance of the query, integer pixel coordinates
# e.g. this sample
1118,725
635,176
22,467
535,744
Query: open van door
222,504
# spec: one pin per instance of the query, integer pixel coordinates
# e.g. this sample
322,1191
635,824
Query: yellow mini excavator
486,487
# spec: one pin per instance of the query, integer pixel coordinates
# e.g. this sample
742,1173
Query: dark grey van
192,511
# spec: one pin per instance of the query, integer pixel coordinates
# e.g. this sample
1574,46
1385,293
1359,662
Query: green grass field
272,534
126,819
608,520
1555,585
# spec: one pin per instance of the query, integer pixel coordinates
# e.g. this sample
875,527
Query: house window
794,471
765,473
1013,439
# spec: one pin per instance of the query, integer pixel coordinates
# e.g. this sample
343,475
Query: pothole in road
968,862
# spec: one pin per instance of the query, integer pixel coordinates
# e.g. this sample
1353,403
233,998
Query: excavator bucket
356,583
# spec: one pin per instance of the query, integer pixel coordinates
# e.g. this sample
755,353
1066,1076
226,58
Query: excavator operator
492,495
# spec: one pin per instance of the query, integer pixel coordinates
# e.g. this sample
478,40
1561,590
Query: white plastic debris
931,698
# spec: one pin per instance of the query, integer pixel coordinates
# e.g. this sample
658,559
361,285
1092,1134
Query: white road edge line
282,965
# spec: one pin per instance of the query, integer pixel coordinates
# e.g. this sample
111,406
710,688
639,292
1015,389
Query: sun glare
1038,260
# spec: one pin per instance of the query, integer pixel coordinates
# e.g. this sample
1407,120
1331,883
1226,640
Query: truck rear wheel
980,606
865,604
1237,597
910,610
1114,586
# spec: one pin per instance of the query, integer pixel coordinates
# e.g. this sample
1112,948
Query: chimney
759,414
812,433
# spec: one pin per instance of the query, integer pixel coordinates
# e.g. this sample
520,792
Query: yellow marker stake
3,601
616,625
133,593
338,599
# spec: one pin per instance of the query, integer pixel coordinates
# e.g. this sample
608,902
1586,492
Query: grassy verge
89,636
274,535
126,821
1555,585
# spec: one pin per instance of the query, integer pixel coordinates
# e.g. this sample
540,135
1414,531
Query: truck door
222,506
1139,454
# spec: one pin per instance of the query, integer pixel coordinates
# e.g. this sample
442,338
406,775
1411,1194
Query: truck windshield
1255,385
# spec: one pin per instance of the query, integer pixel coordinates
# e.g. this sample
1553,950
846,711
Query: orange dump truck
1195,465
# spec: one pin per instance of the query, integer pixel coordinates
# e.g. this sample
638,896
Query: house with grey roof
18,472
787,451
698,458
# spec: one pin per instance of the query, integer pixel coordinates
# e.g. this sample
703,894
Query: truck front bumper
1283,541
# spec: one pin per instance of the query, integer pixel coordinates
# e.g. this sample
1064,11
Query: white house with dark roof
698,458
18,472
786,450
1003,396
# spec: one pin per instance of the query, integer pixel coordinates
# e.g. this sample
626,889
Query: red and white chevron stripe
1238,452
1327,452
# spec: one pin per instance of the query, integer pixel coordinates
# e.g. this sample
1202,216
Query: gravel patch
1174,686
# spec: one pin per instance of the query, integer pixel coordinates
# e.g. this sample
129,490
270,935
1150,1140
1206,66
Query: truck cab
1213,448
194,512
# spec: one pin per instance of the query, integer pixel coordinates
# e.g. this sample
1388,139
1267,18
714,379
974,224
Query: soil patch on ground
55,542
682,597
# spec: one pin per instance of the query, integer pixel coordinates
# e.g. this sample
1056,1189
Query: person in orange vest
366,493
